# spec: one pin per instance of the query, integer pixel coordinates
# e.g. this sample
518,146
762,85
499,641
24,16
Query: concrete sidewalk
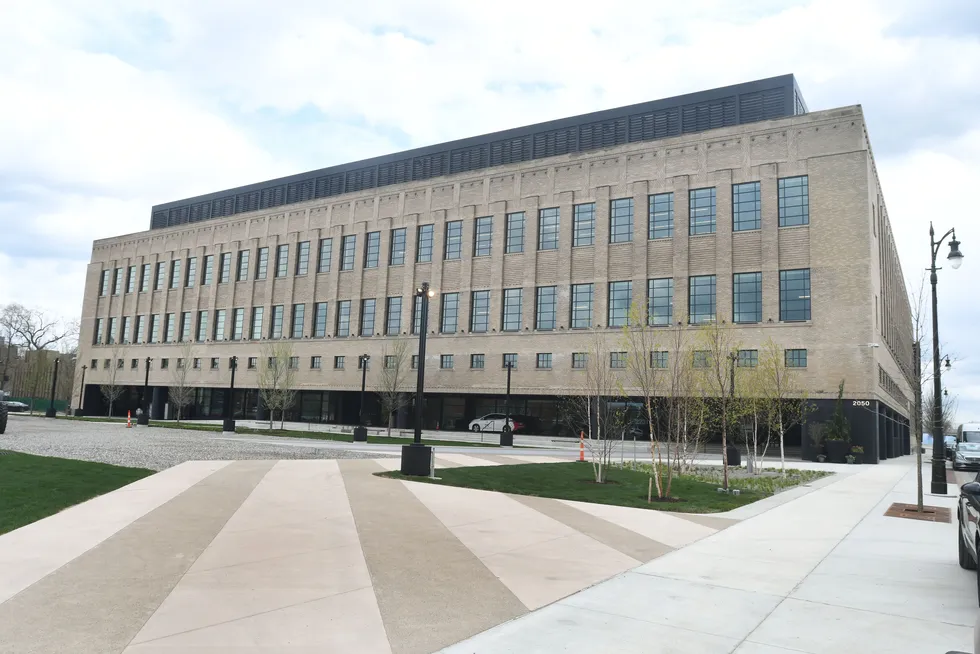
825,573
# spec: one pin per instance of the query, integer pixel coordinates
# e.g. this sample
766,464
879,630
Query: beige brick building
522,255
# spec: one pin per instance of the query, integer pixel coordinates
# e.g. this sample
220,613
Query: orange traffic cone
129,420
581,446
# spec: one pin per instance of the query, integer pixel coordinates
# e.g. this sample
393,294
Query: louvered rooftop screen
776,97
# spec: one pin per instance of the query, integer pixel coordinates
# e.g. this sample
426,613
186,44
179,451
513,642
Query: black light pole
81,393
507,433
360,432
144,417
51,413
955,258
732,456
417,458
229,424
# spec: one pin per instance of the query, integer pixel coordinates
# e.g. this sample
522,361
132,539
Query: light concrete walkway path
309,556
823,573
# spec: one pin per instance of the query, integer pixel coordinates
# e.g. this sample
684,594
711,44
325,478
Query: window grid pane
326,255
515,233
747,298
746,206
417,315
617,359
139,329
277,317
238,324
794,201
659,359
368,309
425,235
620,297
394,316
190,277
219,325
477,361
480,312
257,315
242,266
202,326
583,224
548,229
546,308
702,210
319,320
348,245
621,220
454,239
450,313
794,295
161,276
702,299
262,266
582,295
795,358
510,360
145,278
544,361
174,276
483,237
661,216
224,274
372,250
397,255
660,302
579,360
303,258
299,316
748,358
282,260
343,318
512,309
446,361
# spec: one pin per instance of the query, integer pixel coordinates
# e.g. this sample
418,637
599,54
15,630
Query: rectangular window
415,362
477,361
257,314
271,363
795,358
794,295
398,240
191,277
621,220
278,316
253,363
155,328
282,260
316,362
326,255
299,317
583,224
449,320
111,332
294,363
161,276
544,361
348,247
242,274
659,360
164,364
170,327
98,335
262,265
107,363
454,240
480,312
417,315
343,318
219,325
483,236
139,330
208,270
620,298
372,249
660,302
546,308
446,361
510,360
702,210
579,360
747,297
794,201
124,331
202,326
617,359
134,364
320,320
512,309
197,363
224,268
131,279
368,308
303,258
424,238
661,216
748,358
186,327
548,229
702,299
582,305
393,316
117,279
390,361
514,239
145,278
338,363
237,324
746,206
215,363
701,359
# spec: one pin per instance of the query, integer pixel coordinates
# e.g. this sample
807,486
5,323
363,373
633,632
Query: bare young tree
276,379
110,388
180,392
751,414
393,381
35,329
785,402
714,358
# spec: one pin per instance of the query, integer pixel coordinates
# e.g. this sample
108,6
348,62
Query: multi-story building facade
735,204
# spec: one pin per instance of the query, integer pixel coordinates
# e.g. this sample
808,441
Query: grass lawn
575,481
32,487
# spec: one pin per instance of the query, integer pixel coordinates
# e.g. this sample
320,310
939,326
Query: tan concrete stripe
100,600
708,520
619,538
495,458
432,591
465,460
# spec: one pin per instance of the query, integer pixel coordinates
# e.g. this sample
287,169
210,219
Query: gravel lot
155,448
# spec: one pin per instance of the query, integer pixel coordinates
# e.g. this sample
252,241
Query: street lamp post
51,413
507,433
732,456
955,258
360,432
81,393
417,458
144,417
229,424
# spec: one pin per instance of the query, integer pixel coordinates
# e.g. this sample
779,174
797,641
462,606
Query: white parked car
494,422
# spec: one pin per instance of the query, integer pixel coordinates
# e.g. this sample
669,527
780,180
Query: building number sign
861,403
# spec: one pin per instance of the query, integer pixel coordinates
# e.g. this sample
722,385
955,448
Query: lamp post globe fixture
416,457
360,432
955,258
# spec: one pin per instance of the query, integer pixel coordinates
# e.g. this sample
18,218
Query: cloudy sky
110,106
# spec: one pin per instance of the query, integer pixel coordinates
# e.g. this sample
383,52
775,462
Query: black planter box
837,450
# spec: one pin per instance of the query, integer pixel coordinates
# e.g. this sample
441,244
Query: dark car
16,406
967,514
966,456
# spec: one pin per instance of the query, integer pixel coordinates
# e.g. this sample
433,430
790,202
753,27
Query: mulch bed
929,513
